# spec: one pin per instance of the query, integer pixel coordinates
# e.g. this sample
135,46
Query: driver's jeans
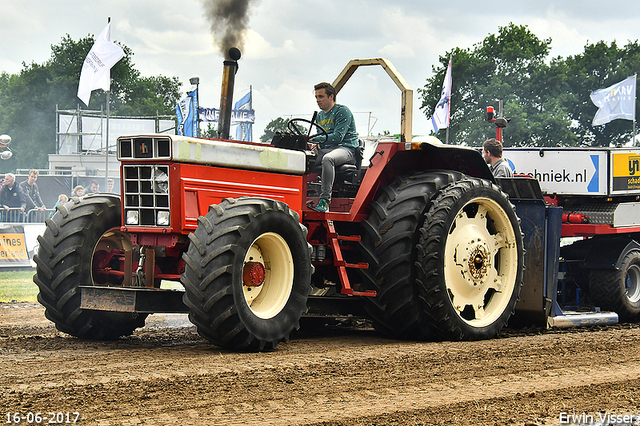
330,158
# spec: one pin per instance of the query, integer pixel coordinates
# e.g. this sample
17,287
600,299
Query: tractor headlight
133,217
162,218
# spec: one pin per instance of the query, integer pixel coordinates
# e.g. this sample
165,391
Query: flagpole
634,113
106,167
106,151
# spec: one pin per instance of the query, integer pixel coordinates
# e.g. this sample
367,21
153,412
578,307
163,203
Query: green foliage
29,99
600,66
547,100
211,131
278,124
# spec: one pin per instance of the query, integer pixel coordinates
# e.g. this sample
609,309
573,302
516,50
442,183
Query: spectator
78,191
31,192
492,153
110,184
93,188
62,198
11,197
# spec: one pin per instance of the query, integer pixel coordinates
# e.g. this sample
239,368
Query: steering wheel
291,126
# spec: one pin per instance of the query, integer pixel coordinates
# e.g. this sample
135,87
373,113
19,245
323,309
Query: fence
16,215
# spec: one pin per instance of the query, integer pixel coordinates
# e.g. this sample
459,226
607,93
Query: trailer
420,238
596,191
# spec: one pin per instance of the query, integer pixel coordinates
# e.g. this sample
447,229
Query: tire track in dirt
341,377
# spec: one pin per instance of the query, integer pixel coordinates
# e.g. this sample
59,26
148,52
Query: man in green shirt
338,146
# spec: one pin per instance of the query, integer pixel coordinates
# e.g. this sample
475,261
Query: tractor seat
350,173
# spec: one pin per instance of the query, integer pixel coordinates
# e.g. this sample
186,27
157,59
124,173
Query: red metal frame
589,230
341,264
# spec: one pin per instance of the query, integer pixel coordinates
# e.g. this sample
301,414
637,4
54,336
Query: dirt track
166,374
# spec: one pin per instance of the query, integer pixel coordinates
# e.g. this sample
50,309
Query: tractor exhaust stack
226,94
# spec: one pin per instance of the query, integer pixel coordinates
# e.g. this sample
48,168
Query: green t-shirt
340,127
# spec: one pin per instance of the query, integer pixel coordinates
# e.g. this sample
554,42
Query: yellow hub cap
270,296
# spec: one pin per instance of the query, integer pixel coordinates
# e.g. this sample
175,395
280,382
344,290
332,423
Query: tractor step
142,300
342,265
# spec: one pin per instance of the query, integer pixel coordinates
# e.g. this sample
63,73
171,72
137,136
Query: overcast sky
293,44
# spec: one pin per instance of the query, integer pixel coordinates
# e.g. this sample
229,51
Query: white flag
97,65
440,119
617,101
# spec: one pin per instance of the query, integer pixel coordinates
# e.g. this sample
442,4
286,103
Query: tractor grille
146,195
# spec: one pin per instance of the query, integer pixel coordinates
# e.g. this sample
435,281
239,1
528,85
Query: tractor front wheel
248,274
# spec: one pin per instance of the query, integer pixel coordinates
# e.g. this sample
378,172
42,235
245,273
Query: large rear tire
618,290
248,274
471,257
389,242
77,238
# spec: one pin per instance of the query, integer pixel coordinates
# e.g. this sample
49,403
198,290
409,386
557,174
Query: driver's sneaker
323,206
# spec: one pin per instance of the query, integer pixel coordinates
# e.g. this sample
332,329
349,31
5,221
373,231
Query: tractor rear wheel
80,241
471,260
618,290
248,274
389,243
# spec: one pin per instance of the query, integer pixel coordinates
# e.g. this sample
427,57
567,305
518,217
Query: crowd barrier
16,215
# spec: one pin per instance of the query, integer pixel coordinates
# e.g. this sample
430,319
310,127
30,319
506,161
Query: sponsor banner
562,171
237,115
13,247
625,171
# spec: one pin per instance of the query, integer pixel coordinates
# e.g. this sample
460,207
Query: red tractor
419,238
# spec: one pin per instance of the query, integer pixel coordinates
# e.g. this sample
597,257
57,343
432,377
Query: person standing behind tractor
31,191
492,154
11,197
78,191
338,146
93,188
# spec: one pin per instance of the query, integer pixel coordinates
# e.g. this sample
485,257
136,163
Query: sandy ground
166,374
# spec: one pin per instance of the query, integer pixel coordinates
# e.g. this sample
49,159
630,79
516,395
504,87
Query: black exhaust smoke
226,94
229,22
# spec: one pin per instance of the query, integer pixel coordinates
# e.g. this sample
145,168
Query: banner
186,113
441,113
617,101
13,247
96,69
244,130
237,116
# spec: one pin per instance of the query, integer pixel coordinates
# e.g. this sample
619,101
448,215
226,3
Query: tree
29,98
508,66
278,124
600,66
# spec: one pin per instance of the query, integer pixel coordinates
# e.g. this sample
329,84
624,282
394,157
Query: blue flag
187,116
617,101
244,129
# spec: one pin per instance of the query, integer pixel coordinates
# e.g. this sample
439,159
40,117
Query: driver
338,146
